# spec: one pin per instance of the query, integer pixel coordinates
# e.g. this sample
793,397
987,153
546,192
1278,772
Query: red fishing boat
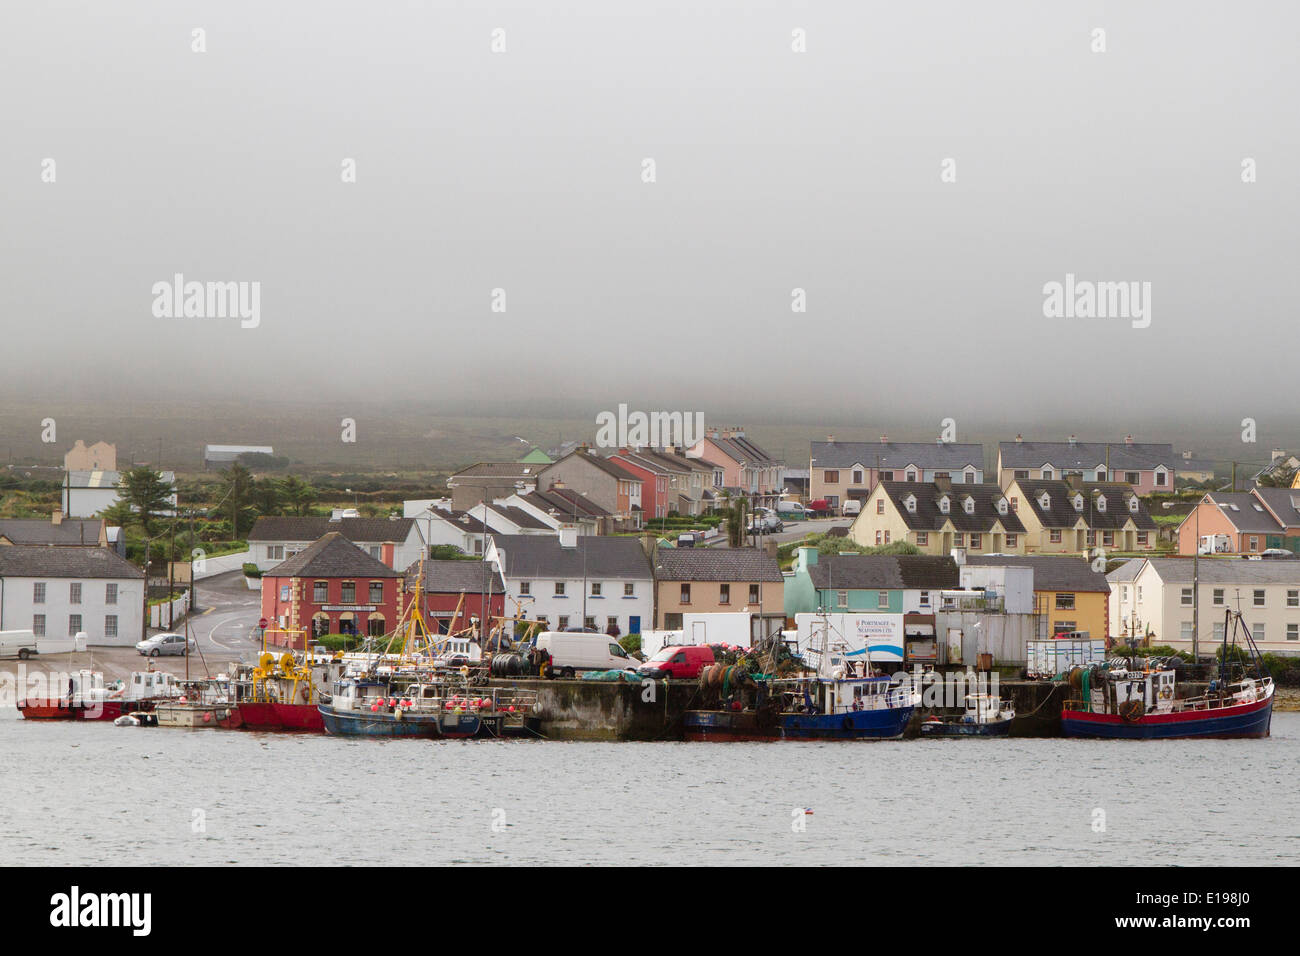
88,698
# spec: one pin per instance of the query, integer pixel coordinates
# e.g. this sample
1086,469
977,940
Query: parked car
19,644
677,661
571,652
852,507
765,524
161,645
1276,553
688,539
820,508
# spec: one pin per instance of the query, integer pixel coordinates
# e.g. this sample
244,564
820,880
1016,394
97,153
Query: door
634,625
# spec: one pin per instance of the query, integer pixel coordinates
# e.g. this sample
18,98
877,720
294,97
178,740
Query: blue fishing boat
985,715
368,707
814,708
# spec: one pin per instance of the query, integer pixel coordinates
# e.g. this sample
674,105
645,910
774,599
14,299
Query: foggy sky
775,170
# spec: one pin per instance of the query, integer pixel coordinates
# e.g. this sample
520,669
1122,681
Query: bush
630,643
251,570
340,642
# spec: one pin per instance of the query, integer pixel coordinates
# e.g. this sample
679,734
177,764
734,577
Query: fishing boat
203,705
985,715
1117,701
282,694
89,698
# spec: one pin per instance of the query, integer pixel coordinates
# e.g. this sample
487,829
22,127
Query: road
794,531
225,624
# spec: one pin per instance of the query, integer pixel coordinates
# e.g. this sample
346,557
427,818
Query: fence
168,612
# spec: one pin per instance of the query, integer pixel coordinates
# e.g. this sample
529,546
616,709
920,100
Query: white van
573,651
19,644
852,507
791,509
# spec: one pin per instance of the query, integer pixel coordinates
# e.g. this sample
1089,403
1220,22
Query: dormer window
1101,474
1101,502
1133,504
943,504
969,505
970,477
1078,502
1002,506
910,504
1044,501
911,474
1048,474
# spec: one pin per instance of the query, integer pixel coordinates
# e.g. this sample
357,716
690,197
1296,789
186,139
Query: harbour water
86,793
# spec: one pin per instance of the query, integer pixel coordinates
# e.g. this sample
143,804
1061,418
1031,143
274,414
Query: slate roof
611,468
928,516
897,455
1229,571
1246,512
541,556
1126,571
565,501
332,556
1139,456
1060,511
369,530
105,479
1051,572
742,449
501,469
884,572
70,532
519,516
1283,502
716,564
42,561
463,520
453,577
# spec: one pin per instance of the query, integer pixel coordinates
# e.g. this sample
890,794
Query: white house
1155,598
57,592
395,541
571,581
87,493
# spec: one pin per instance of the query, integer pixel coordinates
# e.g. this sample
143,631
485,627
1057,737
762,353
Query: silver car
163,644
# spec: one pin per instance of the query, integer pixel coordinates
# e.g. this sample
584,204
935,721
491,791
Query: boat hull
383,724
1242,720
726,725
269,716
198,716
39,709
955,728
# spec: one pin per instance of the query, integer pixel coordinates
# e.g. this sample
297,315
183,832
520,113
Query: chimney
770,548
649,543
1072,441
830,439
1019,439
1277,453
958,556
57,517
1074,480
1128,439
943,482
884,439
568,536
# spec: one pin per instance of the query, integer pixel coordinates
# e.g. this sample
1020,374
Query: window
1047,474
886,476
686,594
110,625
525,587
942,476
886,537
1185,632
672,622
911,475
1293,632
559,589
880,506
320,592
880,538
1108,538
976,541
1101,474
38,625
882,599
753,594
959,540
74,624
1132,477
377,552
841,598
1218,632
38,592
110,593
1160,479
1186,598
1142,539
724,593
1011,540
922,538
74,592
595,589
1259,597
1254,543
611,621
970,477
1257,632
275,552
629,590
349,592
376,592
1054,536
925,599
1021,473
1293,598
857,476
1218,597
1064,601
564,622
1091,538
831,476
589,622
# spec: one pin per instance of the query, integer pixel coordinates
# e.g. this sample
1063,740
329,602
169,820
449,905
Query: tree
299,495
735,512
237,486
147,495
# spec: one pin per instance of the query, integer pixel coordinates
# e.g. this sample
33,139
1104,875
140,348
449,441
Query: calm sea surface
94,793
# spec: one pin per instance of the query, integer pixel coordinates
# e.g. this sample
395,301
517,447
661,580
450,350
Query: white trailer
1049,658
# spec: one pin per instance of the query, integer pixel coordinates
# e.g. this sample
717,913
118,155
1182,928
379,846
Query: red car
821,506
678,661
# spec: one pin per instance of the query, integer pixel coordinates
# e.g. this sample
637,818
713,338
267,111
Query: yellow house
1068,593
939,516
717,580
1075,517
